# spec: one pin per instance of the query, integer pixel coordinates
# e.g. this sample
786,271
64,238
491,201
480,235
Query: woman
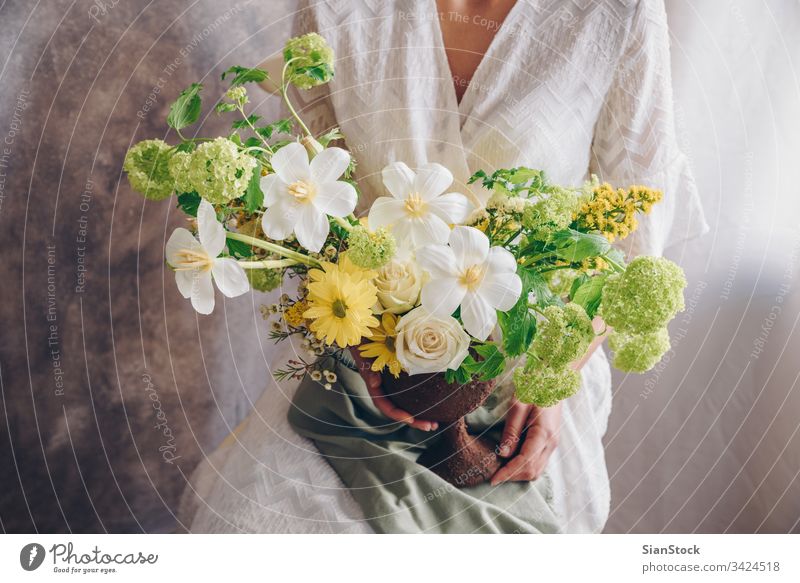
572,89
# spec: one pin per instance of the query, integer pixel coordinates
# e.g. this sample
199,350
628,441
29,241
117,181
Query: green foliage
491,364
519,324
513,180
574,246
245,123
186,109
282,126
189,202
242,75
253,196
589,293
239,249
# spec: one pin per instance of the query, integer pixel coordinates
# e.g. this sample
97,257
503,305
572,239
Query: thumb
515,424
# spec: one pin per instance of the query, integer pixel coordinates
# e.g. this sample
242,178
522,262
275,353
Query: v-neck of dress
454,104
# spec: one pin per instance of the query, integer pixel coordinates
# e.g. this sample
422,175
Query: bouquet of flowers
421,283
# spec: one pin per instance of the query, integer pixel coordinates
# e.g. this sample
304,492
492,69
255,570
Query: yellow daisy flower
340,304
381,347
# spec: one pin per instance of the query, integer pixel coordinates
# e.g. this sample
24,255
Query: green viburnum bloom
563,335
551,214
370,249
179,169
147,165
310,60
264,280
545,386
219,172
638,352
238,95
644,298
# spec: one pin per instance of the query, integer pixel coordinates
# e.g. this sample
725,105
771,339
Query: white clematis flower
470,274
196,262
418,211
300,194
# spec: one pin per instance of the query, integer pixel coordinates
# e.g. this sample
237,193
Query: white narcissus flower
300,194
470,274
196,261
418,211
427,343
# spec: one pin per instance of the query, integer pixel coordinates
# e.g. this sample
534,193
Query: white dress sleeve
634,138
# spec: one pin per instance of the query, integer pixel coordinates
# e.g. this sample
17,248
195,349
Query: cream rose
399,283
427,344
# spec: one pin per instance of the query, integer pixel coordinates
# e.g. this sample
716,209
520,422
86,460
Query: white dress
573,88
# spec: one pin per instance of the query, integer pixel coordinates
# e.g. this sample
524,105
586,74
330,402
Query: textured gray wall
88,358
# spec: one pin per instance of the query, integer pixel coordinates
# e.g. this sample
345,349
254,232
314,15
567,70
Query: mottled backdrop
95,338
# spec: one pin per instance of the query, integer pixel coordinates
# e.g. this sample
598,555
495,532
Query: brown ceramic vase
456,456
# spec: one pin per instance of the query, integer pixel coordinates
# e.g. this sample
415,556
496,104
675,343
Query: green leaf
578,282
616,255
490,366
253,197
242,123
574,246
460,375
186,109
244,75
189,202
589,294
224,106
282,126
544,296
238,249
518,324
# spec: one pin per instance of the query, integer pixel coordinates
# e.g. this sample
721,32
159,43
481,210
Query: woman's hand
373,381
537,429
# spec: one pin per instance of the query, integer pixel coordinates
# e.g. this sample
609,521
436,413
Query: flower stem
535,258
344,223
252,127
268,264
283,251
285,95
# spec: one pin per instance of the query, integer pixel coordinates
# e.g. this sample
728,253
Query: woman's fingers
516,418
527,465
540,441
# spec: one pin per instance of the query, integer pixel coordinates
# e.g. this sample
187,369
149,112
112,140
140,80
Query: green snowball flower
179,169
545,386
563,335
310,60
147,165
370,250
548,215
644,298
264,280
219,172
238,95
638,352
